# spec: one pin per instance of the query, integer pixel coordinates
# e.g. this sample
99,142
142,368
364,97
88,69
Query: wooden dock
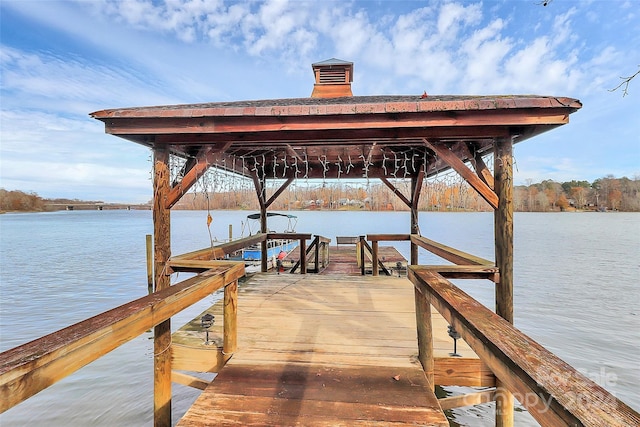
323,350
344,260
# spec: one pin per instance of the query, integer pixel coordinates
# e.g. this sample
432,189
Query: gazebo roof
354,136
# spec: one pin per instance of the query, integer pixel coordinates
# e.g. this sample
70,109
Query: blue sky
61,60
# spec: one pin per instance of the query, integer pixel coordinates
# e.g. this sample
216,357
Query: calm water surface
577,292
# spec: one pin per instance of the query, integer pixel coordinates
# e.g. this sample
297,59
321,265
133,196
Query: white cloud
166,52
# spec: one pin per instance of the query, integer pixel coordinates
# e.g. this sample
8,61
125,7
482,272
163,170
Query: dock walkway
321,350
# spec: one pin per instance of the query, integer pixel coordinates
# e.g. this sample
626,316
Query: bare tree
625,83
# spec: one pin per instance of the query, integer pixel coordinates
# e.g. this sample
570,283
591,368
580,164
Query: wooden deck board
324,350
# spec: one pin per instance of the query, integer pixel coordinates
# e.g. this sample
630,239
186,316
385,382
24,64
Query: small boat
277,249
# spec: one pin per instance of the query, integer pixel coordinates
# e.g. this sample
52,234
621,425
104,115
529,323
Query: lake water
577,292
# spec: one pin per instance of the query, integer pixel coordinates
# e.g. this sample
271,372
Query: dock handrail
30,368
553,392
319,248
220,251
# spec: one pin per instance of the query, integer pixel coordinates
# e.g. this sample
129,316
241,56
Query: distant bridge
99,206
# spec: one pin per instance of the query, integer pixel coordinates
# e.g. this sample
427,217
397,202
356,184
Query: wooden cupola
333,78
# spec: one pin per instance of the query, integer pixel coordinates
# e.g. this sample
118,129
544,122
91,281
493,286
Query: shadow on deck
322,350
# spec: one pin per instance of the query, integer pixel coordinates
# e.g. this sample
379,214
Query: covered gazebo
335,135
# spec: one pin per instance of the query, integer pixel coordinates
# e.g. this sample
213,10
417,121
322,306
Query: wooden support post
230,232
503,228
162,252
150,262
425,335
374,257
263,244
362,270
316,254
230,326
303,256
415,229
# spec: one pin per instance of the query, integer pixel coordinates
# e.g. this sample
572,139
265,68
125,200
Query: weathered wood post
263,244
425,335
303,255
362,269
415,229
149,245
316,255
230,320
162,252
374,256
503,229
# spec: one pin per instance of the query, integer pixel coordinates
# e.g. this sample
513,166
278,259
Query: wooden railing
553,392
30,368
318,251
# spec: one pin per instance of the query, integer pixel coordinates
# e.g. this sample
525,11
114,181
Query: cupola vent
333,78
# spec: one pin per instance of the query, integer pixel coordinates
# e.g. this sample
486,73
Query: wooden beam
458,165
198,266
198,167
189,380
34,366
388,237
464,271
204,358
162,252
552,391
279,191
395,191
250,126
449,253
288,236
462,371
480,166
216,252
468,399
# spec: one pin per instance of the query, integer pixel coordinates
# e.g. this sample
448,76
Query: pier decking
322,350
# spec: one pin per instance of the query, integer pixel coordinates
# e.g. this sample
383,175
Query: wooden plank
189,380
200,358
289,236
219,251
388,237
552,391
198,266
329,321
463,271
462,371
286,394
450,254
34,366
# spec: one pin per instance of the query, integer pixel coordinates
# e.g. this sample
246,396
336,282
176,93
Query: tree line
607,193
